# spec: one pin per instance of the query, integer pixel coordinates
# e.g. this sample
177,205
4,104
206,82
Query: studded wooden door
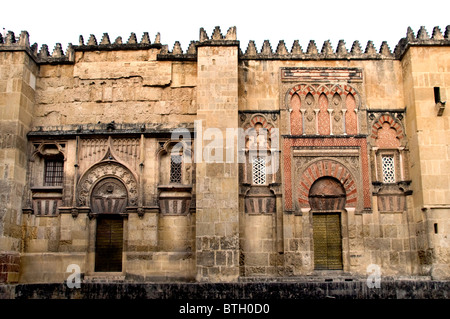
109,244
327,241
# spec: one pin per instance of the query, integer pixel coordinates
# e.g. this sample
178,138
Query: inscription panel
322,74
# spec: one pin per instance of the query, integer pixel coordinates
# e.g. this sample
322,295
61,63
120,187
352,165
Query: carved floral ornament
106,170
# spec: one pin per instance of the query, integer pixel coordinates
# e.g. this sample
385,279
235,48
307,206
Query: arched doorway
327,200
108,201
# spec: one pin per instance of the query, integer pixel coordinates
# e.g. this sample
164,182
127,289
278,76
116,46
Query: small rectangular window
388,169
53,174
259,171
175,169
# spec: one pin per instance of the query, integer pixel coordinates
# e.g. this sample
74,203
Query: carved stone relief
109,196
102,170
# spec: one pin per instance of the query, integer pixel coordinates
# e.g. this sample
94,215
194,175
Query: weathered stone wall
109,110
18,73
120,86
89,92
426,68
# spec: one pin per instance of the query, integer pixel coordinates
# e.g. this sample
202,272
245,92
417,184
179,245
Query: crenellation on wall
313,53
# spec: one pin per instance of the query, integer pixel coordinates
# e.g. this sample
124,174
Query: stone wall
18,73
217,181
426,69
269,292
108,110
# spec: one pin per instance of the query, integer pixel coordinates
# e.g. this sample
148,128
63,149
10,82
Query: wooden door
327,241
109,244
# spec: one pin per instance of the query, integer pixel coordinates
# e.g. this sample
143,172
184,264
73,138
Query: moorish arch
259,132
109,196
335,174
116,175
327,194
327,197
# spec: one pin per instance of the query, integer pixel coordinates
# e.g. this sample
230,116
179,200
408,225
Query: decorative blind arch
323,109
377,127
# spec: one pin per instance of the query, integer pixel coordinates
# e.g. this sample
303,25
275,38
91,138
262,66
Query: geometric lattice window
388,169
53,172
259,171
175,169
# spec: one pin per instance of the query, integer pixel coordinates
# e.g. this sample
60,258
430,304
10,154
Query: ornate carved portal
109,199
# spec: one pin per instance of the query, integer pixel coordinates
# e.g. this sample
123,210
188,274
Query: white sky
53,21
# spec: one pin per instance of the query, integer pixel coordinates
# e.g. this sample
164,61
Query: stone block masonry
87,140
217,221
9,267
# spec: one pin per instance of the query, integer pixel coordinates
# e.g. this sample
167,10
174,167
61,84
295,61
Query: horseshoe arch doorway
327,200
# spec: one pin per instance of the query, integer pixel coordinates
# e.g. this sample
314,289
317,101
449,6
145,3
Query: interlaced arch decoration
323,109
328,89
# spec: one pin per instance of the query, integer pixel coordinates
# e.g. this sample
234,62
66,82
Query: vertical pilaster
17,97
217,220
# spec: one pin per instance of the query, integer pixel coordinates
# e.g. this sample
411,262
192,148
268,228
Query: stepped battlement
438,38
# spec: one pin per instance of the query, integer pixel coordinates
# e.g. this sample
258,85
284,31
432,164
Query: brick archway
327,168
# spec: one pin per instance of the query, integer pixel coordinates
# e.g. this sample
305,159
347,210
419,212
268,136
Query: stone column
357,121
317,120
303,120
330,111
217,183
343,122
